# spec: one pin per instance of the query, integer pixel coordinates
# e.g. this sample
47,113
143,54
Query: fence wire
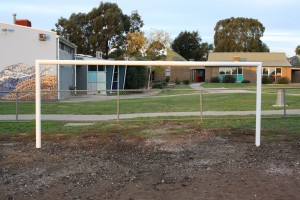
167,104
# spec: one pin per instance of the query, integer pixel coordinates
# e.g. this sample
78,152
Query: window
237,72
265,72
101,68
274,73
167,71
92,68
221,70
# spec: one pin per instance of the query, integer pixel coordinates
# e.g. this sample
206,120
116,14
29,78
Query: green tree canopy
107,25
76,27
188,45
102,29
136,22
239,35
297,50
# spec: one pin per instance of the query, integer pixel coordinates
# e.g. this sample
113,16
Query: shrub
215,79
229,79
167,79
246,81
157,86
185,82
282,81
177,82
266,80
164,84
136,77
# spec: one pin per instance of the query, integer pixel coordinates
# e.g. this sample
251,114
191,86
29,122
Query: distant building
21,45
96,78
295,62
274,65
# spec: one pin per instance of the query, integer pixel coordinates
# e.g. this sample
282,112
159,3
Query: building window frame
237,72
274,72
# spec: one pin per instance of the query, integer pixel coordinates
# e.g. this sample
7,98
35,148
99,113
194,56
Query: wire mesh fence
98,105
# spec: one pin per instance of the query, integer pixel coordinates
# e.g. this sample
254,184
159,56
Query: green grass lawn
272,129
228,85
247,85
167,101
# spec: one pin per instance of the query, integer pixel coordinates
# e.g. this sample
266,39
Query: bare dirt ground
195,165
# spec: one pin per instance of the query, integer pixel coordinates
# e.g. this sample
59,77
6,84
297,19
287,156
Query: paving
197,86
137,115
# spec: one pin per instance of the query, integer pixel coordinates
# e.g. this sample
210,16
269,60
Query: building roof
173,56
295,61
67,42
26,27
267,59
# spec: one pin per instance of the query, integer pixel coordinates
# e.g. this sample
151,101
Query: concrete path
130,116
197,86
98,97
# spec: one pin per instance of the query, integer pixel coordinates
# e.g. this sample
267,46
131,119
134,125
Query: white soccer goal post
38,64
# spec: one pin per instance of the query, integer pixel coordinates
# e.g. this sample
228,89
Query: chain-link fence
167,104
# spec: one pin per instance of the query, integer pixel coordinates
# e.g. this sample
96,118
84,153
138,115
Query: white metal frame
145,63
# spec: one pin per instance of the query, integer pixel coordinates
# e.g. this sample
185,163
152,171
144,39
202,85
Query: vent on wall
42,37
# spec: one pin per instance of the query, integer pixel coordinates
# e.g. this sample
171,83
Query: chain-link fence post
201,107
118,106
17,106
284,103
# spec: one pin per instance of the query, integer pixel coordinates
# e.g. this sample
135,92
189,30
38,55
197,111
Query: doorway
198,75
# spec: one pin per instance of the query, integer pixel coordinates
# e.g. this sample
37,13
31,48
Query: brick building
275,65
295,62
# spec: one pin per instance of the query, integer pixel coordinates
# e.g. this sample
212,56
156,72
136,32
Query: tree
107,25
205,49
157,42
76,27
160,36
155,51
188,45
136,22
102,29
297,50
136,77
239,35
135,43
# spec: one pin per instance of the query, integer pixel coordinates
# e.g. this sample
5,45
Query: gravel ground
196,165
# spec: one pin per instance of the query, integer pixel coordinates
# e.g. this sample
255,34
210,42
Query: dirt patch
194,165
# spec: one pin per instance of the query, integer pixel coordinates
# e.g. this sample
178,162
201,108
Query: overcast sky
280,17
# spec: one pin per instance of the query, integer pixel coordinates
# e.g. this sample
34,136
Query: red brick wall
181,73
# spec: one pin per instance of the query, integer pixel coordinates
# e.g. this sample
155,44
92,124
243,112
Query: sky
279,17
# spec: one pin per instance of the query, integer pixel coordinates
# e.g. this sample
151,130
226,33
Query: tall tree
136,22
102,29
76,28
297,50
188,45
107,25
239,35
205,49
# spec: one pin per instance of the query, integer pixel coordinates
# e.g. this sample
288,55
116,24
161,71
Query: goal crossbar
38,63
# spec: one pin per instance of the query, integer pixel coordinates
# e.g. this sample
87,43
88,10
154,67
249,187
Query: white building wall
20,44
